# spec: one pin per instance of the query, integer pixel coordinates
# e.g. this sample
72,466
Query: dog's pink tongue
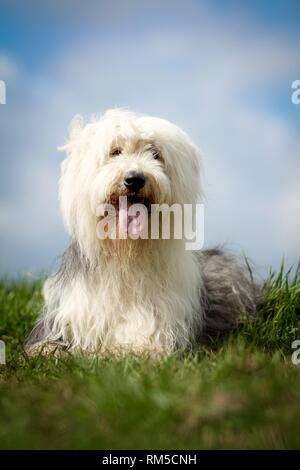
137,222
123,219
132,221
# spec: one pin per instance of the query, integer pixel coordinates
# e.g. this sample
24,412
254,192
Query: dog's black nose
134,180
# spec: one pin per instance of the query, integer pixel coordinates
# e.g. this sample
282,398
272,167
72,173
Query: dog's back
229,291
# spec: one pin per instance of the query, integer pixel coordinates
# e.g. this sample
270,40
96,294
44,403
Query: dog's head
148,160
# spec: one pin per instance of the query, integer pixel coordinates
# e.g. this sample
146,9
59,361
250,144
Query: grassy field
241,392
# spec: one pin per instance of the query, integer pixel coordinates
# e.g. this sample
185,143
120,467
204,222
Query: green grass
239,392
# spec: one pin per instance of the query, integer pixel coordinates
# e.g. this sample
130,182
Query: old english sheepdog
134,294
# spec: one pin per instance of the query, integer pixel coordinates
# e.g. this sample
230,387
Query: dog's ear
76,126
75,129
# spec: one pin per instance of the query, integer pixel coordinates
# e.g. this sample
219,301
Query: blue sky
222,70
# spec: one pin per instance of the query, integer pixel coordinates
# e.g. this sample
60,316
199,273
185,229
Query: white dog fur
130,295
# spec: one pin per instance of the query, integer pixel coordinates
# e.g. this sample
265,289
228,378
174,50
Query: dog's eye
155,153
115,152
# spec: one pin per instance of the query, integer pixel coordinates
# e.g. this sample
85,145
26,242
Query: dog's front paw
47,348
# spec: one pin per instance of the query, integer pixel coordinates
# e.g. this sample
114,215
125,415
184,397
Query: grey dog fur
229,292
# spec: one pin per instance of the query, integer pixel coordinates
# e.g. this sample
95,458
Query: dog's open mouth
133,210
132,198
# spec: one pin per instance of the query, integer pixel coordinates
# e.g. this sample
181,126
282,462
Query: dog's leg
46,348
37,342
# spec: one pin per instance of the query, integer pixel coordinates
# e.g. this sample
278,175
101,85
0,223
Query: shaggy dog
134,294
